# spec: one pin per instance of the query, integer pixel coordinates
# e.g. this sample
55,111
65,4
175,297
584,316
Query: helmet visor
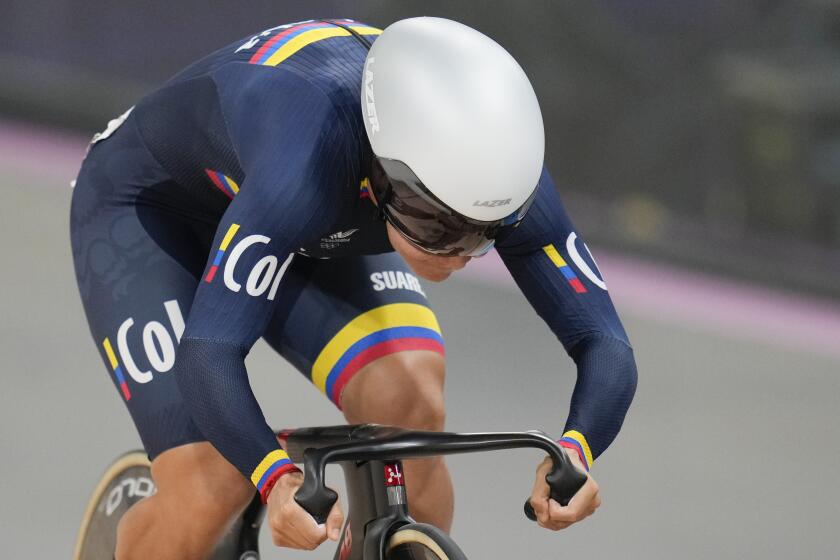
429,223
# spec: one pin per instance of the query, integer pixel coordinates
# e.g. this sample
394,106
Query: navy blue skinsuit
231,204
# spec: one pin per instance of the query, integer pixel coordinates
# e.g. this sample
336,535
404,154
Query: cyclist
318,213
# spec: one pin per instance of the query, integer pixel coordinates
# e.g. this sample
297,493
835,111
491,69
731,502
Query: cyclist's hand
291,525
552,515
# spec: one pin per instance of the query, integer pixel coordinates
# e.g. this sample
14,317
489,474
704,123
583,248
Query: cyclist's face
434,268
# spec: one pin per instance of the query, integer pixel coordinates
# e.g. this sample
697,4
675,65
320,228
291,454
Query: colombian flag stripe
216,181
271,470
578,286
290,34
579,441
578,450
228,236
377,319
265,51
554,256
231,184
118,372
211,273
270,462
110,352
566,270
294,44
223,183
375,345
124,387
377,351
231,232
288,42
364,188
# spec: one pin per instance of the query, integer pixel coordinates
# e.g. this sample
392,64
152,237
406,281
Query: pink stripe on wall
669,294
48,152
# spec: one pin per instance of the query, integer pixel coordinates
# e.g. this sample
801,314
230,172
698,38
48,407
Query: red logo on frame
346,543
393,475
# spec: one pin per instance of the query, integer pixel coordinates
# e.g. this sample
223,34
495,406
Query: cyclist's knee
198,495
401,389
197,475
134,525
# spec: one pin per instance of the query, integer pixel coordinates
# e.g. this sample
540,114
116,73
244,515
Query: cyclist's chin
434,268
433,275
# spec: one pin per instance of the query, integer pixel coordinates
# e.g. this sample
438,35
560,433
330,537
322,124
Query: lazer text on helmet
370,103
492,203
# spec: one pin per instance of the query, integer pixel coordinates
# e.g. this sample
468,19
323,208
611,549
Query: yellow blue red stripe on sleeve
217,260
271,468
224,183
576,441
364,188
118,371
289,41
565,269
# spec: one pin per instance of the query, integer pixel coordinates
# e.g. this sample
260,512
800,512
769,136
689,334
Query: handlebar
317,499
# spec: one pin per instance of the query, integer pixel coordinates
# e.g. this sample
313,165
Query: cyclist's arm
294,157
554,270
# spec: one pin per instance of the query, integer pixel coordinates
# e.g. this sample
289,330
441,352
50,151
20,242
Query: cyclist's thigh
137,268
337,315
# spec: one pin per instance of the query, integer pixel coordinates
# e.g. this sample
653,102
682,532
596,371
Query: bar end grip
563,483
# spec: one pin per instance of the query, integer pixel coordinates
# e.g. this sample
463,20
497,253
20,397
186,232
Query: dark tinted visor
429,223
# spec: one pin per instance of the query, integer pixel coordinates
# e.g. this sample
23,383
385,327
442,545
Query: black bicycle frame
370,456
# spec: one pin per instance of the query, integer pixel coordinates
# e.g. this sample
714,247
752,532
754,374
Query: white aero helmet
456,127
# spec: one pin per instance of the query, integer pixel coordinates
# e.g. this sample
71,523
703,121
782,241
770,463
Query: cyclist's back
197,126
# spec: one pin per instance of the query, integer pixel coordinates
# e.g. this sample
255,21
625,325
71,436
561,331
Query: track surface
730,450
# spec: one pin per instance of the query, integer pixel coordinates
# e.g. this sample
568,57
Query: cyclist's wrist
575,441
275,478
273,466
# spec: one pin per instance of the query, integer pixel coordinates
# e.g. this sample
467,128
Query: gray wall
701,132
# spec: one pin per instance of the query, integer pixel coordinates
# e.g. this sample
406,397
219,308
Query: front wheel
418,541
127,481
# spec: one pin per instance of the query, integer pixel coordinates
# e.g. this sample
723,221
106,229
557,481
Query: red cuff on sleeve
272,479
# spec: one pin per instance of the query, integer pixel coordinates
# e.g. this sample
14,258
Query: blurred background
697,147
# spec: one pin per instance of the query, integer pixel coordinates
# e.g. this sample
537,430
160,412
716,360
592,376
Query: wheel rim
132,463
410,544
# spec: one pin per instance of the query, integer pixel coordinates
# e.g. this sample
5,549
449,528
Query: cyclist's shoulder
322,54
276,69
313,56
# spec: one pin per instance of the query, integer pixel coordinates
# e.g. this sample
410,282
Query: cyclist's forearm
603,392
214,385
